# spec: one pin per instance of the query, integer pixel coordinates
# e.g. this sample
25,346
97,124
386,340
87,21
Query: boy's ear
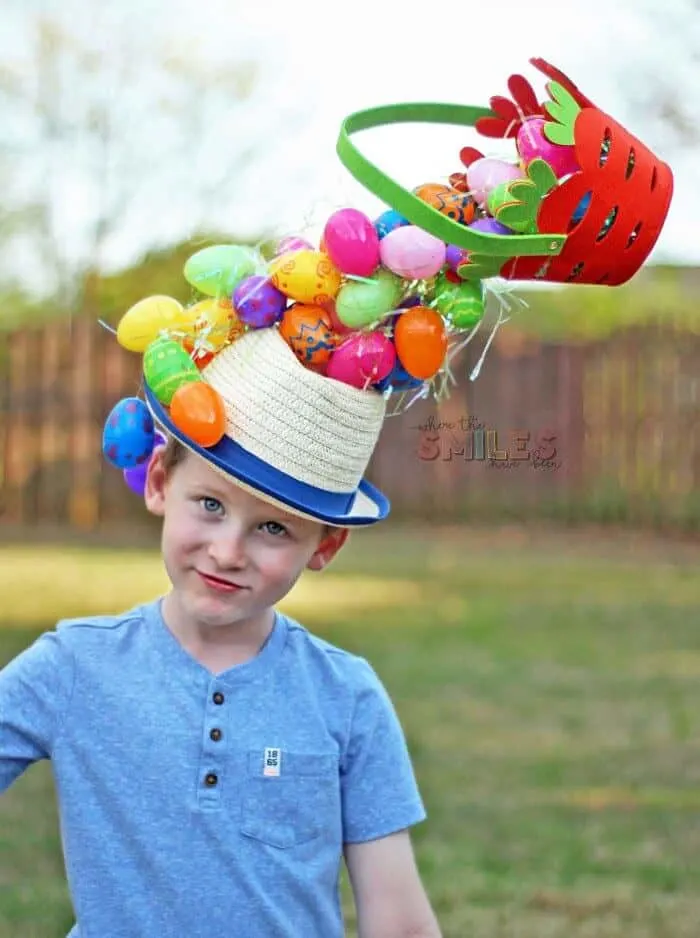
330,544
156,478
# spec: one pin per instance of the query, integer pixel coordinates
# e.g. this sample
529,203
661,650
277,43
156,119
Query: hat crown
317,430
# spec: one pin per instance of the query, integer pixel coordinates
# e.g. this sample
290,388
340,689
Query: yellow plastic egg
211,323
150,318
306,276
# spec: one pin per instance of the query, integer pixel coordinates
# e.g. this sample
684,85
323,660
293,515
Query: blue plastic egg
388,221
398,380
129,434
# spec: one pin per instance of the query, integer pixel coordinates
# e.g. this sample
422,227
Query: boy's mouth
216,583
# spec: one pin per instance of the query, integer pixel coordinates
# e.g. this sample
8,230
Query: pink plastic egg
363,359
485,174
532,143
352,243
412,253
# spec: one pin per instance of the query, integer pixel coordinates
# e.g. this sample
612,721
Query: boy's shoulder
345,665
93,631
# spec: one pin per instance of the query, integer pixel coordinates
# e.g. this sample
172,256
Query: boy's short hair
173,454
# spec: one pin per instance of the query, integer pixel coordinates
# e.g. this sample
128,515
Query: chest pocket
297,805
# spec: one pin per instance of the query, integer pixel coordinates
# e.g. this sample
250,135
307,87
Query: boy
214,761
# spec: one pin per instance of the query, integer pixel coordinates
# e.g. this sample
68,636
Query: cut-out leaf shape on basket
525,197
562,112
480,266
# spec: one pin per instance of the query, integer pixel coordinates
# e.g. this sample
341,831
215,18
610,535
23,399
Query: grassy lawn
549,684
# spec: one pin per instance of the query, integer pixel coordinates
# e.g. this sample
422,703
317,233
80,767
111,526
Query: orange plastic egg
197,410
308,330
421,342
459,206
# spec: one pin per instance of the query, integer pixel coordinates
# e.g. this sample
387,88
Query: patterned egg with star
459,206
128,436
308,330
167,366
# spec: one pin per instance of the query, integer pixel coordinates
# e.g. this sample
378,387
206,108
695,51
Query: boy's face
229,555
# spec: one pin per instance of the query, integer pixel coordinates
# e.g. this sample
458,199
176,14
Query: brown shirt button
211,780
218,698
215,734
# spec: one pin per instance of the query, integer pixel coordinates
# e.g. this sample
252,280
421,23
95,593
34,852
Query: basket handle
413,208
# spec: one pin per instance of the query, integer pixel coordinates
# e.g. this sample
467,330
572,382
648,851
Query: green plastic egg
167,366
360,302
460,304
217,270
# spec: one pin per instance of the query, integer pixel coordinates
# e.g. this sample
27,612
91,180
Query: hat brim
365,506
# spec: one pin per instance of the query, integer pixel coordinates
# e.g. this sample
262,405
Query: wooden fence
604,430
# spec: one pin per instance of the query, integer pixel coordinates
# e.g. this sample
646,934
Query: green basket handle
413,208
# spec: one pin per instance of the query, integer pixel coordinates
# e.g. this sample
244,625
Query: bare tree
101,140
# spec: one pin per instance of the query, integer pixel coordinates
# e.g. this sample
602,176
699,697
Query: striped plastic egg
129,434
167,366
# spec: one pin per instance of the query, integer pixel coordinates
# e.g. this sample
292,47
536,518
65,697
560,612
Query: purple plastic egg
258,303
490,226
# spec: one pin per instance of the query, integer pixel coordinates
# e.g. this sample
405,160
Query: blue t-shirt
199,805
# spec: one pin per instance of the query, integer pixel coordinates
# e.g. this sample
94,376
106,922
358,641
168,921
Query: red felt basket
627,190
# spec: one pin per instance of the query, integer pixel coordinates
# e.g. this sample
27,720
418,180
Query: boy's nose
228,551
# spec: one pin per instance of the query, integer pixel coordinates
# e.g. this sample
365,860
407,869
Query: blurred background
533,619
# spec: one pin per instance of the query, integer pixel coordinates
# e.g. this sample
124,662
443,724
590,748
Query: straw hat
293,437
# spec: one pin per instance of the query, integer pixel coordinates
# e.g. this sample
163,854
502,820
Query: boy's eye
273,527
210,505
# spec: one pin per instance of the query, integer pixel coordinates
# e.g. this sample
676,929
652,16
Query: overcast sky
320,61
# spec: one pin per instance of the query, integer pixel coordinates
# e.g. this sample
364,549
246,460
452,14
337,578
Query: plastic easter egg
198,411
258,303
306,276
485,174
292,243
351,242
146,320
217,270
308,331
135,476
581,209
398,380
166,365
454,256
412,253
362,359
387,221
211,323
490,226
497,199
129,434
360,303
533,144
339,328
421,342
459,206
461,304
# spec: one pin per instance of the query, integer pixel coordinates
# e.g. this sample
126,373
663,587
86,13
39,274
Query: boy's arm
34,691
389,896
381,801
